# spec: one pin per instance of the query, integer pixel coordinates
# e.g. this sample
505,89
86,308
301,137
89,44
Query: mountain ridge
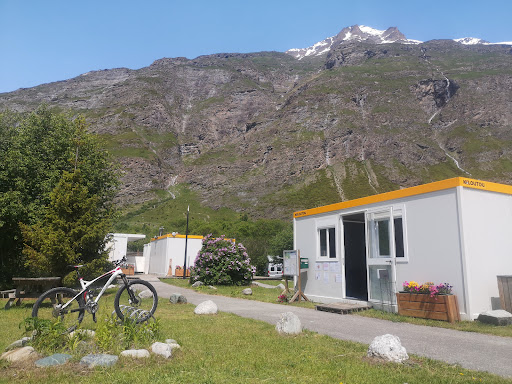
266,134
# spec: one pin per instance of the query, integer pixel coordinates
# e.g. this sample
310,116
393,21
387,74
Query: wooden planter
179,272
440,307
128,270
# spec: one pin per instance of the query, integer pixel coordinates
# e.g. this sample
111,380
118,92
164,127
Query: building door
381,257
354,238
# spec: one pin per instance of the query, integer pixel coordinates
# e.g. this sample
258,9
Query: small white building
118,248
168,251
456,231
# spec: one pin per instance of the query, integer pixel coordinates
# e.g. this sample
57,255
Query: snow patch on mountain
353,33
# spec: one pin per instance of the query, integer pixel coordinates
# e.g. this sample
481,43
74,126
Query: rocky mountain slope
267,134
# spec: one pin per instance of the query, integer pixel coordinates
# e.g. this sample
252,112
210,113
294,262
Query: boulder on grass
19,354
177,298
247,291
53,360
388,347
99,360
496,317
289,324
162,349
197,284
136,353
207,307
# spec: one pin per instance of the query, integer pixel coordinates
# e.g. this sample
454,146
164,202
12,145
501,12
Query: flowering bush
222,262
283,298
429,287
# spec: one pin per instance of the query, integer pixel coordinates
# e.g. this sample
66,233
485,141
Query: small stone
207,307
496,317
177,298
136,353
19,354
197,284
280,286
388,347
170,341
145,294
212,287
84,332
162,349
247,291
18,344
99,360
50,361
289,324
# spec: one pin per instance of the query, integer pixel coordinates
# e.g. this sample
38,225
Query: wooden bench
30,287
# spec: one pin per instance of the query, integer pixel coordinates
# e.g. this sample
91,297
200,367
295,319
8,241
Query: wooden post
299,294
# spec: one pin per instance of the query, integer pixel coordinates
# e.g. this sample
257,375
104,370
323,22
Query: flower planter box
128,270
179,272
440,307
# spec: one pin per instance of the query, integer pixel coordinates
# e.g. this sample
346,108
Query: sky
52,40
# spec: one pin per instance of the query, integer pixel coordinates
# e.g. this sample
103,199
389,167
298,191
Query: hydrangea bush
222,262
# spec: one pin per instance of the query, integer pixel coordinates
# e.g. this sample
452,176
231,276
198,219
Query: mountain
267,134
351,34
360,33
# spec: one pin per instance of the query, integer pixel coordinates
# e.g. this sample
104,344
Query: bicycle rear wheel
137,301
58,304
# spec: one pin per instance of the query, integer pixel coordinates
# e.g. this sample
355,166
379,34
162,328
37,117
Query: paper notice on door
337,278
318,275
318,266
326,277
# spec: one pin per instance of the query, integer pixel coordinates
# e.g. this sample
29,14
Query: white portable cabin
456,231
118,246
168,251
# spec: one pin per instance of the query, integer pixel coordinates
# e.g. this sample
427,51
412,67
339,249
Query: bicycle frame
86,284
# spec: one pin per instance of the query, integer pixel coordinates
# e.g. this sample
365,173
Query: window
380,236
399,237
327,242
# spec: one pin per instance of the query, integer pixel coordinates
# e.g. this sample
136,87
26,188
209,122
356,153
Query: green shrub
222,262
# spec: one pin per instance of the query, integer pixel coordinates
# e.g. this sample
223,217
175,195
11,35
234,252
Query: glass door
381,256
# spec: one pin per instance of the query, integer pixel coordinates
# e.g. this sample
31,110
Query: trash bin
505,289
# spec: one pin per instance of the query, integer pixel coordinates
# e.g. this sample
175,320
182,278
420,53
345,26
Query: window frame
327,225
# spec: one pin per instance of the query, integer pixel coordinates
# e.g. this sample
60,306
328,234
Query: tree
72,231
35,151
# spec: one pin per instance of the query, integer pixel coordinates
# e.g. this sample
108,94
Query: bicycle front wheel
137,301
59,304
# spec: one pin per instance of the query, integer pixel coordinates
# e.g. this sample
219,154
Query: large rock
496,317
19,354
197,284
55,359
207,307
136,353
280,286
247,291
388,347
99,360
162,349
289,324
177,298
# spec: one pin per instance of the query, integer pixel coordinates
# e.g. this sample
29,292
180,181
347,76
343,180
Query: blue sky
51,40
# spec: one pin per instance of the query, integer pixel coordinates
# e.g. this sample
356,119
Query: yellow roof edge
177,236
407,192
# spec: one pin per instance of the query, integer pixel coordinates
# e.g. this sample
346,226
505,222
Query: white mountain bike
136,299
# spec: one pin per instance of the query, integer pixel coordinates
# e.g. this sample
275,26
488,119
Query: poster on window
290,264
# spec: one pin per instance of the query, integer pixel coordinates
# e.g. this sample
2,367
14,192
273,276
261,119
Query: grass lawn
270,296
225,348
